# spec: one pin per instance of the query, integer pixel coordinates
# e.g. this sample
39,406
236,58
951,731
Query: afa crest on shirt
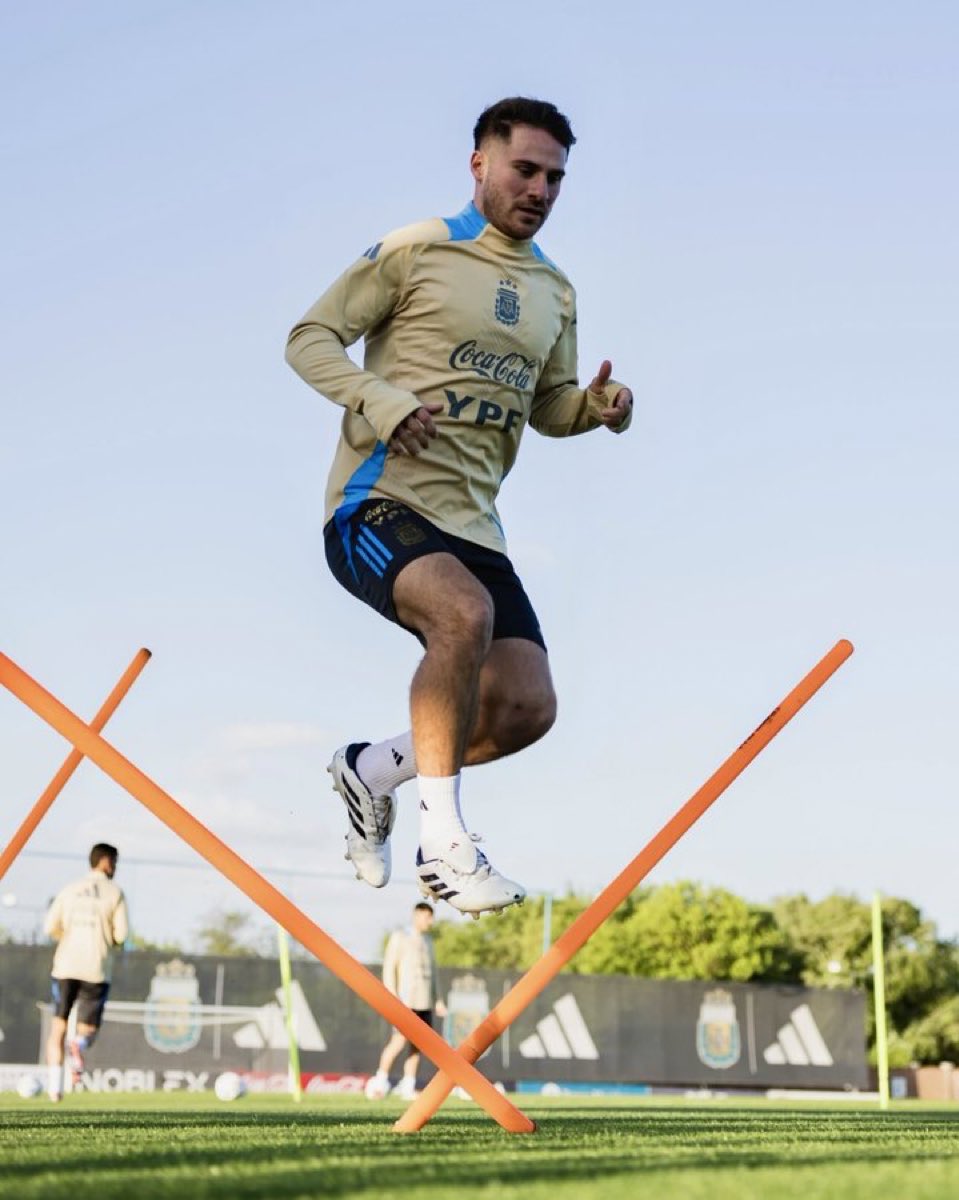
506,308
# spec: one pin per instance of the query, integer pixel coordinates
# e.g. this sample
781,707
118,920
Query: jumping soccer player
87,920
470,335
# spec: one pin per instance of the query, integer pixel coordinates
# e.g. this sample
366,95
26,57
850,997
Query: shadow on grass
106,1154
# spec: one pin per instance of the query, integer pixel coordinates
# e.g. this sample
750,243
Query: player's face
517,182
423,920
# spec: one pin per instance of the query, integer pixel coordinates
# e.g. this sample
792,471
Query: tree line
687,931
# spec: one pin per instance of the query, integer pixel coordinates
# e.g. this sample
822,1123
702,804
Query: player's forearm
564,412
319,357
568,409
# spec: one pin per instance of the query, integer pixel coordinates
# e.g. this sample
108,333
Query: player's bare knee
519,721
546,714
533,718
477,621
465,623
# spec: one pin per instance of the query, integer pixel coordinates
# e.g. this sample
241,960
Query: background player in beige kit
470,335
86,920
409,972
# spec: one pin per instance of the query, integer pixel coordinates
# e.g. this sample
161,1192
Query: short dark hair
422,906
103,850
498,120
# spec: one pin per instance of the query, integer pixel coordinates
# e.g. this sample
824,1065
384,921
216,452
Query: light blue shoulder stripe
466,225
470,223
542,257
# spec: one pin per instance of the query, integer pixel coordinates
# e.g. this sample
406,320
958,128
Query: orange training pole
263,894
583,928
71,762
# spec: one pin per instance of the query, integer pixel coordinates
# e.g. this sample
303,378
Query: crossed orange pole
263,894
455,1066
70,763
563,949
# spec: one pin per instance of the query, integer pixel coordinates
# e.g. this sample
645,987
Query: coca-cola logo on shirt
512,369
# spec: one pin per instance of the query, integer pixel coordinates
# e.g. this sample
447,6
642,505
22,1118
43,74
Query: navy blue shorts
367,549
89,998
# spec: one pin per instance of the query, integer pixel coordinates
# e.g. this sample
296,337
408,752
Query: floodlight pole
547,920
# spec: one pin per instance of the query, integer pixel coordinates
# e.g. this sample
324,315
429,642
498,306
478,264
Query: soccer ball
230,1086
29,1086
377,1088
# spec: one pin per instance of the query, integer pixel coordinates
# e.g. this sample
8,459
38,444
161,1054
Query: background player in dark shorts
409,972
89,998
87,920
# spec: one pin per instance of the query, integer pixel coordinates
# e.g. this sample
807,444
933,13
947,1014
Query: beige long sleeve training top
452,312
87,920
409,969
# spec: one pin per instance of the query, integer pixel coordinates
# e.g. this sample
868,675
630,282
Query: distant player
409,972
470,336
87,920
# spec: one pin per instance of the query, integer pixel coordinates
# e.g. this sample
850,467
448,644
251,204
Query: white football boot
371,818
406,1088
481,890
377,1087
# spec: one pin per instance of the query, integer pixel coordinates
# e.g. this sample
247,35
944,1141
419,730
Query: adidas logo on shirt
799,1042
561,1034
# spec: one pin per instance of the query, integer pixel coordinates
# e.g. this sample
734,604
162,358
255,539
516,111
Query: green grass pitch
182,1146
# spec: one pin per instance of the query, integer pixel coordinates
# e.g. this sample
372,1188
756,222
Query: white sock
54,1079
387,764
442,832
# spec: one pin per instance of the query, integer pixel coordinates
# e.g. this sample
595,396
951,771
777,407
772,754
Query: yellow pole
286,975
879,997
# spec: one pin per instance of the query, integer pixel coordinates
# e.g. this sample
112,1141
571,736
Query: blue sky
759,218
